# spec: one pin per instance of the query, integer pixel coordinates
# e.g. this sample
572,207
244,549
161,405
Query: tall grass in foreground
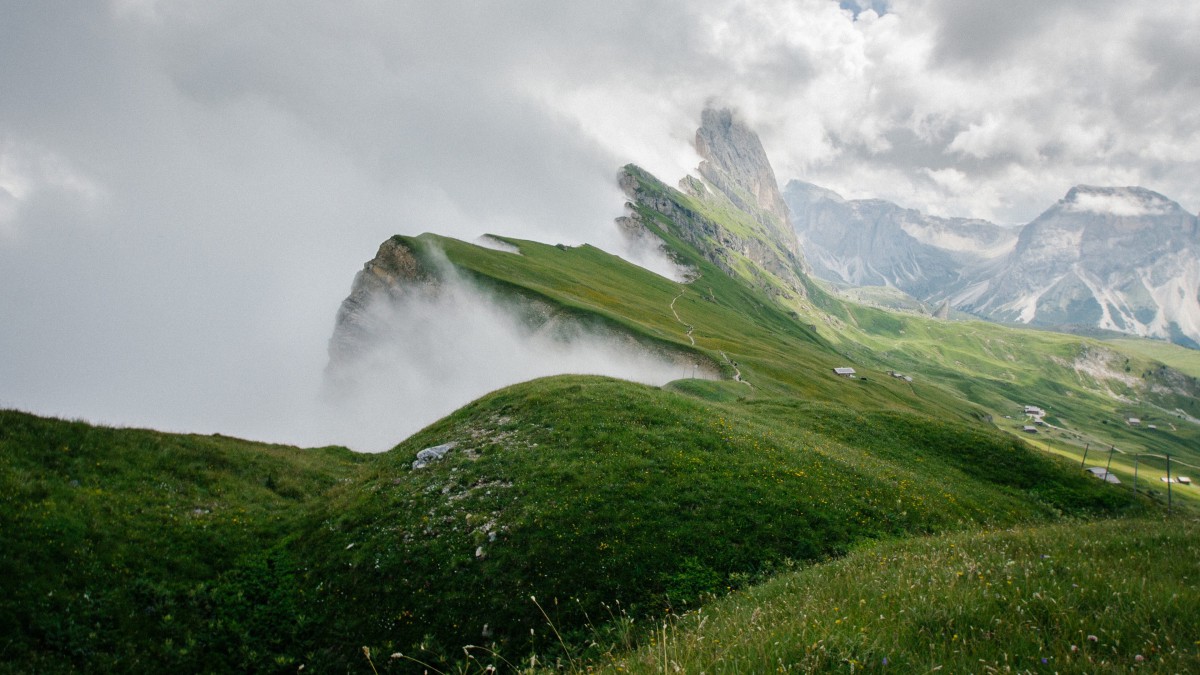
1108,596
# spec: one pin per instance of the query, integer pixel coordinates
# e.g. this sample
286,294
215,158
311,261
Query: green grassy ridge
775,350
996,367
963,369
601,491
1029,599
1002,369
131,550
1180,358
584,281
595,291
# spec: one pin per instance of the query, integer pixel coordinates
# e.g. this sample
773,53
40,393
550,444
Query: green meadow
789,520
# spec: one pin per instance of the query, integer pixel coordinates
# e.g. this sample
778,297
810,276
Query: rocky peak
1114,223
1116,258
395,270
1120,202
735,163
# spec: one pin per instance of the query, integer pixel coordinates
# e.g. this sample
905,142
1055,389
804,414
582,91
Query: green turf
1104,597
137,551
127,550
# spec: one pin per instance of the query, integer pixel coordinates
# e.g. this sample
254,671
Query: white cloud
436,350
28,173
1116,204
185,170
994,138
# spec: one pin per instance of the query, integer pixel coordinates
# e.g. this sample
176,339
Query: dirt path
689,326
737,374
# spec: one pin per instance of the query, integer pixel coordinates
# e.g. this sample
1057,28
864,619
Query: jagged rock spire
736,164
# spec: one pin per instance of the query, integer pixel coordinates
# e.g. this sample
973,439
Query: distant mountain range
1123,259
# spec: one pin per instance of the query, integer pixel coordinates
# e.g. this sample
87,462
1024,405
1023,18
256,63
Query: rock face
395,271
872,242
732,213
1121,259
736,164
719,243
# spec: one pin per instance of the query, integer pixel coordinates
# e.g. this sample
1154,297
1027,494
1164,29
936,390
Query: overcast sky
187,187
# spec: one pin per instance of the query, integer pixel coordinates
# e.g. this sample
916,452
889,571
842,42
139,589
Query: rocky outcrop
735,163
1118,259
719,244
732,213
1121,259
433,454
396,269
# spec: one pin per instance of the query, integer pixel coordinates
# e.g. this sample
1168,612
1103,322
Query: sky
187,187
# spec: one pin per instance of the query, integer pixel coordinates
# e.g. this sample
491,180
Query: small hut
1104,475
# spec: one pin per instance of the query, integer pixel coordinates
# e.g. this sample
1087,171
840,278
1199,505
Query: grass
616,504
1100,597
655,503
132,550
1179,358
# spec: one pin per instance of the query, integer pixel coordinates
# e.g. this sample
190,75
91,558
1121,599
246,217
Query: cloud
1116,204
187,186
437,348
29,174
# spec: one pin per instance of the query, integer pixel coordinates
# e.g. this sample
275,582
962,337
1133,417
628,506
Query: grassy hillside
1103,597
607,501
555,492
127,550
209,553
961,370
776,352
1179,358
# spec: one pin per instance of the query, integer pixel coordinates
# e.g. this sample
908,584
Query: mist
188,186
438,347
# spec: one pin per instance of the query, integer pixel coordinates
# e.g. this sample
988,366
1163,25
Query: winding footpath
737,373
690,327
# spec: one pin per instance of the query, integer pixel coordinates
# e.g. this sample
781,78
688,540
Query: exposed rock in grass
432,454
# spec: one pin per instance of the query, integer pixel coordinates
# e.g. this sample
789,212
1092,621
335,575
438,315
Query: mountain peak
736,164
1125,202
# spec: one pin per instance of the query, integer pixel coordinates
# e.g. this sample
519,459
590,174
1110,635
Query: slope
584,492
1100,597
127,550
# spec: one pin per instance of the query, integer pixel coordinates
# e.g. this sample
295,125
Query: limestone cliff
732,213
395,270
735,163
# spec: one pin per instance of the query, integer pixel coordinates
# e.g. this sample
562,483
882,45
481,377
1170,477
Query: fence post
1083,462
1168,484
1135,463
1111,449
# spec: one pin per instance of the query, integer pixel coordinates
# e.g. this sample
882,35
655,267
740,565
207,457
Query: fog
187,187
437,348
